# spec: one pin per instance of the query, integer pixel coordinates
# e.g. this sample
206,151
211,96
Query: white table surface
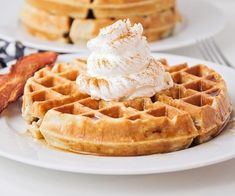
18,179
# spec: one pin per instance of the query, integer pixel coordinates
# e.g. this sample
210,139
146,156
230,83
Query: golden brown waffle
42,24
193,111
102,8
40,20
202,93
46,90
156,26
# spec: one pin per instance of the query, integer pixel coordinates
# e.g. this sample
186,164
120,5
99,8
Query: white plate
16,145
201,20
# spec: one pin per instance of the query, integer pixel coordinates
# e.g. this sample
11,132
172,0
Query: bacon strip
12,84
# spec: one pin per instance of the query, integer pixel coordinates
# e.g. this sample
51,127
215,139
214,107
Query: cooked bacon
12,83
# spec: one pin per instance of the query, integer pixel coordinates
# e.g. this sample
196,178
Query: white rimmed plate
18,146
200,20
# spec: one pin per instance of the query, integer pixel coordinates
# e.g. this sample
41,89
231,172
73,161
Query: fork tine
216,47
214,52
203,50
211,51
208,50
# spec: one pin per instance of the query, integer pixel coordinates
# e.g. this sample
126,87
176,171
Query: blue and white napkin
10,51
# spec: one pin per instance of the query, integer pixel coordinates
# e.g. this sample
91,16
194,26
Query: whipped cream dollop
120,66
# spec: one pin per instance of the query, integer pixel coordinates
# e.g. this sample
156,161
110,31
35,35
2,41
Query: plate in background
200,20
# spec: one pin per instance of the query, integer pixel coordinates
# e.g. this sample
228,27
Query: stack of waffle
78,20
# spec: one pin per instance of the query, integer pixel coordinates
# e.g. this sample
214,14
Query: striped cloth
10,51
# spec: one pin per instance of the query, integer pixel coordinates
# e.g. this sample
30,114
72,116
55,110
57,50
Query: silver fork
211,52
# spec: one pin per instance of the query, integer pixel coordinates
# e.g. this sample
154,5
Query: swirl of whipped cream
121,67
119,49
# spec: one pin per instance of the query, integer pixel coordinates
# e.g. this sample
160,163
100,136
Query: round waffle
102,8
45,25
156,26
193,111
